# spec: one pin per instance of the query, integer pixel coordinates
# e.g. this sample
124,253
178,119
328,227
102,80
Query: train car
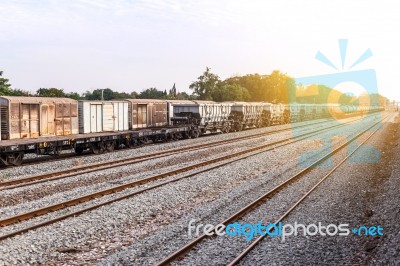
206,116
31,117
293,112
147,113
322,111
170,108
272,114
246,115
102,116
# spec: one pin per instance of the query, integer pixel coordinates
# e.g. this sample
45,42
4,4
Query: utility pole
102,96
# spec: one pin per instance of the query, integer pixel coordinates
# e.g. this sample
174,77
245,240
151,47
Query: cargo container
31,117
103,116
147,113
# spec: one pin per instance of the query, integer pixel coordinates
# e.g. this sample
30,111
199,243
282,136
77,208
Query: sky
81,45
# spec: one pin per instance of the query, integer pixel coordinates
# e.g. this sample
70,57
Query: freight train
46,126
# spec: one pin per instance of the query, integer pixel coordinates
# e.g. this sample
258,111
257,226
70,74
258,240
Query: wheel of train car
128,143
195,134
97,148
79,150
110,146
15,158
143,140
167,137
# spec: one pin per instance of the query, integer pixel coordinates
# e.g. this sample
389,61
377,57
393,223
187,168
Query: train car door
95,118
142,115
47,117
30,120
44,120
153,115
108,117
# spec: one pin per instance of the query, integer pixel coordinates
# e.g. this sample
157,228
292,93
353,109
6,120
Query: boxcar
102,116
31,117
147,113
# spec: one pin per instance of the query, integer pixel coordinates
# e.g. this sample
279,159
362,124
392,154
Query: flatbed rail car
12,151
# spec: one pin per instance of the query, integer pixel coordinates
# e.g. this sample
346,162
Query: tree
255,84
230,92
52,92
280,86
205,85
152,93
5,87
182,96
73,95
276,87
19,92
97,94
172,93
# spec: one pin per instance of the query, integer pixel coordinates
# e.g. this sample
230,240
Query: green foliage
183,96
19,92
97,94
267,88
52,92
230,92
73,95
108,94
152,93
5,87
254,83
205,85
172,94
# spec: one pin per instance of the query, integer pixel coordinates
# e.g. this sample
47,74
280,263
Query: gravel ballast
143,229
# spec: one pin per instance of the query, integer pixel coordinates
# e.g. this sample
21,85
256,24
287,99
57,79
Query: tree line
276,87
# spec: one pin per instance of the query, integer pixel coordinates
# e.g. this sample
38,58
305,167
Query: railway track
64,156
46,177
218,162
182,251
